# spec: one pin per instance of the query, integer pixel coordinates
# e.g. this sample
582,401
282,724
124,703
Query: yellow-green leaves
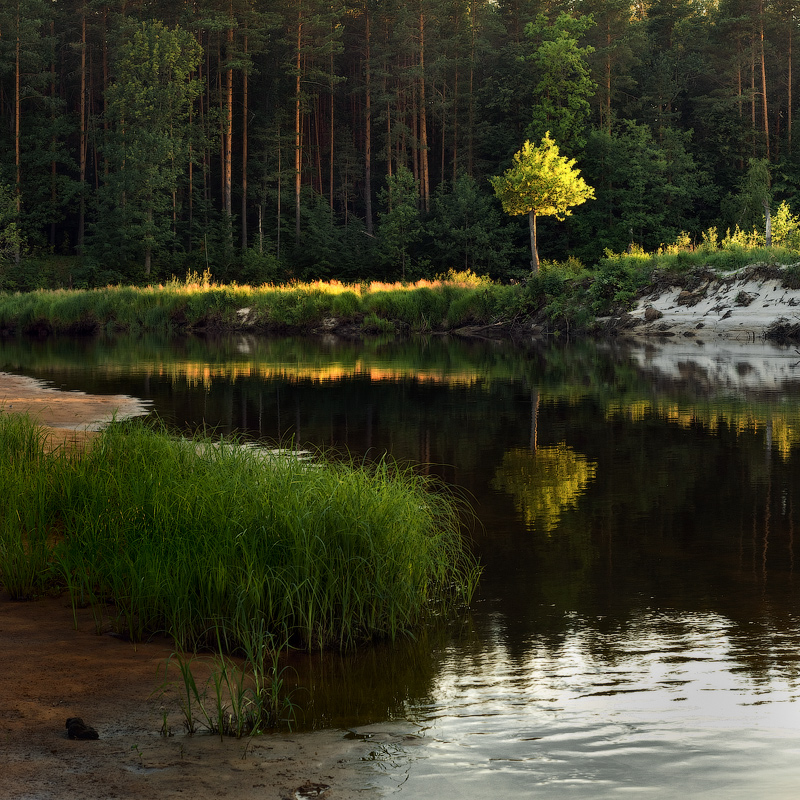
541,181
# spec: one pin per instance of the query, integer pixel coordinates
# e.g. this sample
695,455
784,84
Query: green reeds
223,546
240,697
27,513
202,305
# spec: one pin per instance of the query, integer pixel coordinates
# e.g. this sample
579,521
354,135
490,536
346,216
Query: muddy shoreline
54,671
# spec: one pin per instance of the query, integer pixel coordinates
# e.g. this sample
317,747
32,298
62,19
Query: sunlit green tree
541,182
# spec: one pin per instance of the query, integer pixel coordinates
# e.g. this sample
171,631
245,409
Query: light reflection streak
652,710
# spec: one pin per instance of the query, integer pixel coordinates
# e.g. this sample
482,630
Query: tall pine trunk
228,131
368,131
425,185
298,130
764,78
17,118
245,112
789,87
82,146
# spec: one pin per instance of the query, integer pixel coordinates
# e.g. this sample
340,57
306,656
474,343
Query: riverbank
198,305
53,671
58,665
64,659
748,304
653,296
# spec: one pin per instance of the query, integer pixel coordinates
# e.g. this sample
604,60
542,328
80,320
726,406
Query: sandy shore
740,305
53,670
69,419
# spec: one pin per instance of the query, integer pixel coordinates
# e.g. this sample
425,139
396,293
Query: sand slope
739,305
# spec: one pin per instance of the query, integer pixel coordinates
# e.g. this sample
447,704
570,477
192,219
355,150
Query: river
636,628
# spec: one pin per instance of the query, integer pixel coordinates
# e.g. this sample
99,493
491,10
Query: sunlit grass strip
439,304
209,544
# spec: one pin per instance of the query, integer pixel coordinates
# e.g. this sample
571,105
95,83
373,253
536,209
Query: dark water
636,631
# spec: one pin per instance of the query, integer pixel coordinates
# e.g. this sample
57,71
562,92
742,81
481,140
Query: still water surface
636,632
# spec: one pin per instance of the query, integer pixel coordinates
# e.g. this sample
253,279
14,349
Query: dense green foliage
297,140
541,183
212,542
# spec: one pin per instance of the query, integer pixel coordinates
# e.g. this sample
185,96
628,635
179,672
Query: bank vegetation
563,296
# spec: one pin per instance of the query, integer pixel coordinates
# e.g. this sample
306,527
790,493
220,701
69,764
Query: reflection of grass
211,543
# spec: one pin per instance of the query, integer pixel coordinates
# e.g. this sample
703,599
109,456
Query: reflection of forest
600,494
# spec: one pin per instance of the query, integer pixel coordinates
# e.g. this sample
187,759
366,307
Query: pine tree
148,143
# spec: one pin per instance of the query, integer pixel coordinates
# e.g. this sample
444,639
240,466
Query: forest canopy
351,140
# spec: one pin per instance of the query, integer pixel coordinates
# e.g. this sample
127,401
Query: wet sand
53,671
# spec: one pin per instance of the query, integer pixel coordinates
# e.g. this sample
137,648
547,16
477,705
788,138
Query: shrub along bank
197,304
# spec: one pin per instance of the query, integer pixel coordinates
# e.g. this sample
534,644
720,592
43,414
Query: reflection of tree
544,482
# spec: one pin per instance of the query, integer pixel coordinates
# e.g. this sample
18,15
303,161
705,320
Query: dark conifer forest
270,140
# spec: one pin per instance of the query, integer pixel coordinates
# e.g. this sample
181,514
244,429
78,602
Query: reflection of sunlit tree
544,482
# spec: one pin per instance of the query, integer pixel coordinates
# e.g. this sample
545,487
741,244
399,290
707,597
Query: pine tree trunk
105,86
330,165
443,134
764,79
455,130
789,87
368,132
753,94
82,144
53,139
607,125
315,120
280,189
415,122
228,136
423,120
297,129
471,113
17,117
245,112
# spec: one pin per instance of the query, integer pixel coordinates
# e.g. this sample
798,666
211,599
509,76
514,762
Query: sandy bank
52,671
68,418
741,305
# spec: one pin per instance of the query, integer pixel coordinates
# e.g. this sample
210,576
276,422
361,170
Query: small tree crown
542,181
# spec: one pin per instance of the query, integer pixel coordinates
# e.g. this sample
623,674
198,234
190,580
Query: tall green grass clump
28,510
217,544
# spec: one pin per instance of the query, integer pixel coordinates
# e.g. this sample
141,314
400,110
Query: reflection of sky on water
665,711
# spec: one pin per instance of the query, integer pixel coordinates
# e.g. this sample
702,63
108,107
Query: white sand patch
737,306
